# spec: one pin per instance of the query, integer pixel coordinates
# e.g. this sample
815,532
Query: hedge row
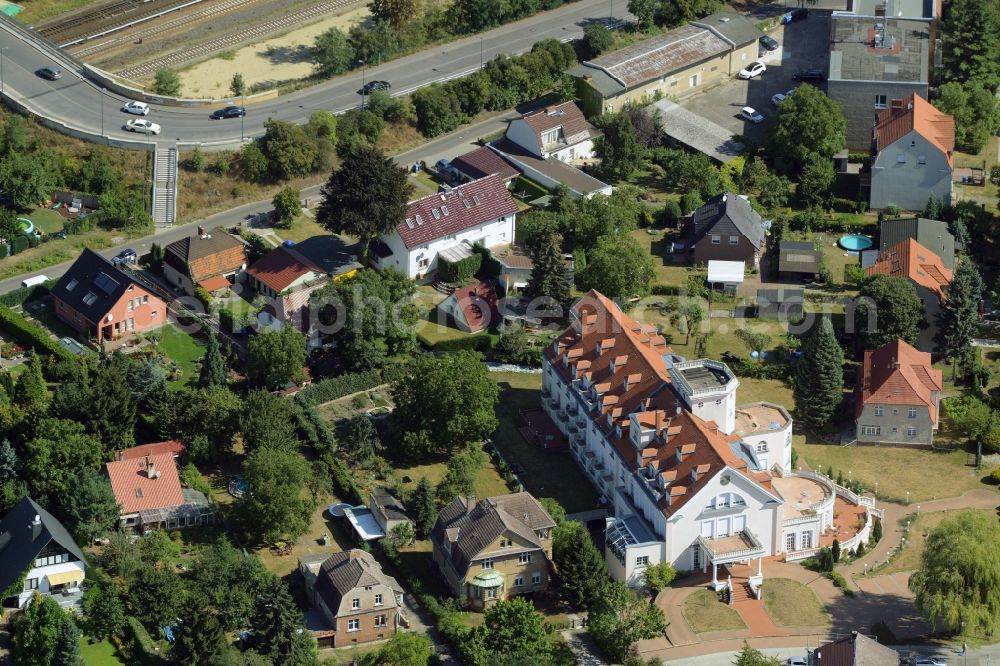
332,388
480,342
755,370
30,335
21,295
460,271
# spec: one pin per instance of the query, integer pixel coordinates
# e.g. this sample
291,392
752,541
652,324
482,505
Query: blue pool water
855,242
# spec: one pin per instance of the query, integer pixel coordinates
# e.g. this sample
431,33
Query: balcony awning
64,577
739,546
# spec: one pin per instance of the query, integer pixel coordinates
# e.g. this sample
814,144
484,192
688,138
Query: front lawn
704,612
921,526
99,654
184,350
792,604
553,475
303,227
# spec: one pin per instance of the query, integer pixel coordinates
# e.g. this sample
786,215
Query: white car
756,68
930,661
749,113
143,126
138,108
797,661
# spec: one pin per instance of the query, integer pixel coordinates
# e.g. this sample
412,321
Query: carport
727,273
694,131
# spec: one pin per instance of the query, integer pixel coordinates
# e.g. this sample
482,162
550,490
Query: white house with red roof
560,132
692,479
149,493
897,396
481,212
912,147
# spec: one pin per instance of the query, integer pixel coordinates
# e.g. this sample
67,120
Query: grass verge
792,604
704,612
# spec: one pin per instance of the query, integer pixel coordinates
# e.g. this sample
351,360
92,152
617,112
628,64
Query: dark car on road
768,43
813,76
126,256
372,86
228,112
799,14
50,73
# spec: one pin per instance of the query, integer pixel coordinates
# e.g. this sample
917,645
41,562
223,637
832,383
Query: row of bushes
332,388
754,370
30,335
21,295
460,271
18,245
480,342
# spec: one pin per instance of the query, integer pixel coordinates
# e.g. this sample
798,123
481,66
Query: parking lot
803,45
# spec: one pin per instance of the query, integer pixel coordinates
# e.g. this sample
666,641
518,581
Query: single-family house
799,261
912,155
876,63
34,543
494,548
897,396
480,212
484,161
560,132
855,649
690,477
726,228
149,494
472,308
673,64
911,260
388,511
170,447
211,260
932,234
104,302
360,601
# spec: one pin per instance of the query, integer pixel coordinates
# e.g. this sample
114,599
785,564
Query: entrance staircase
164,210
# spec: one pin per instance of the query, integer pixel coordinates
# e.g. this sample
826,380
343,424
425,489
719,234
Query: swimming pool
855,242
26,225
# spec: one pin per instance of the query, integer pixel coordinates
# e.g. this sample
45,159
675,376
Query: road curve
85,108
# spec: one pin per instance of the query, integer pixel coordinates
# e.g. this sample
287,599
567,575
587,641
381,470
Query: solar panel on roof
106,283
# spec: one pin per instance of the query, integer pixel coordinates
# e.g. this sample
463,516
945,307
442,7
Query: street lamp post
364,93
2,49
243,117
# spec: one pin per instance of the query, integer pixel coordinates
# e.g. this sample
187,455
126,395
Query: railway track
199,14
262,30
107,19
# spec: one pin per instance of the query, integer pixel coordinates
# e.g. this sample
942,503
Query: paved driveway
803,45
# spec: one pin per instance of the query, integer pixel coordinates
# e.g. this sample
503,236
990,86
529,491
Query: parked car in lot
796,661
126,256
799,14
51,73
142,126
813,76
778,98
756,68
138,108
751,114
372,86
228,112
769,43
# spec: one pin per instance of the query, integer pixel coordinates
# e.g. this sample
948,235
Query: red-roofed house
913,261
170,447
149,493
480,212
691,479
280,270
897,396
912,155
559,131
473,308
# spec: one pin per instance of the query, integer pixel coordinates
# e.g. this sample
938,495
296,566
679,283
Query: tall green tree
460,479
397,12
199,638
238,85
366,197
289,151
287,205
55,455
167,82
619,617
549,276
405,649
104,609
362,440
749,656
67,647
156,595
213,370
422,505
619,268
971,45
975,110
27,180
205,419
230,582
278,630
580,569
644,12
670,13
462,411
268,422
618,148
333,53
274,507
276,357
808,123
816,180
898,310
10,463
687,317
30,391
958,583
959,315
91,509
37,630
818,385
513,626
112,410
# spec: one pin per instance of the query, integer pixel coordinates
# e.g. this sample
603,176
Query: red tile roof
624,361
912,260
446,213
566,115
280,267
898,374
920,115
484,161
171,446
478,303
214,283
134,489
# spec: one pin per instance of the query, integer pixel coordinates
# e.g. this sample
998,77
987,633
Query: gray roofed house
932,234
33,542
736,29
855,650
387,511
726,228
799,260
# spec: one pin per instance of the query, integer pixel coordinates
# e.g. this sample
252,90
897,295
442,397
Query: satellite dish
110,316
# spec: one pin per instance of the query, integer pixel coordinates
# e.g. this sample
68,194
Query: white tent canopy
725,272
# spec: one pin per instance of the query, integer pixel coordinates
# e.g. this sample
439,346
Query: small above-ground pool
26,225
855,242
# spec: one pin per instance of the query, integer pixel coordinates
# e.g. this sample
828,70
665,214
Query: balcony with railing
733,548
702,377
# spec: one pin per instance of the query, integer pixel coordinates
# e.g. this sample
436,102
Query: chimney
470,504
151,469
201,231
36,527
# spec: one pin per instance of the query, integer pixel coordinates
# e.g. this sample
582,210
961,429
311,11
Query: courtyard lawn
553,475
669,267
792,604
431,333
704,612
897,470
303,227
183,349
921,526
46,219
765,390
99,654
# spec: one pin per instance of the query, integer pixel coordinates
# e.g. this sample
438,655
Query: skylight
90,298
106,283
72,284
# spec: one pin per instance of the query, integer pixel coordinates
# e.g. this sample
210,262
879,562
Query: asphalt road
84,106
448,145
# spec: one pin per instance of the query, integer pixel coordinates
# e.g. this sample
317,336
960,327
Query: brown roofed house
210,260
855,650
494,548
149,493
472,308
560,131
897,396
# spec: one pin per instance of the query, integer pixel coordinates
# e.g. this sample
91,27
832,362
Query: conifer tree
213,366
581,570
818,384
423,507
548,276
67,650
278,628
30,391
960,312
200,637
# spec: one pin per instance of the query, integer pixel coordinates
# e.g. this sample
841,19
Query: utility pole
2,49
364,93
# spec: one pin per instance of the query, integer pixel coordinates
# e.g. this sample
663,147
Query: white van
32,281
